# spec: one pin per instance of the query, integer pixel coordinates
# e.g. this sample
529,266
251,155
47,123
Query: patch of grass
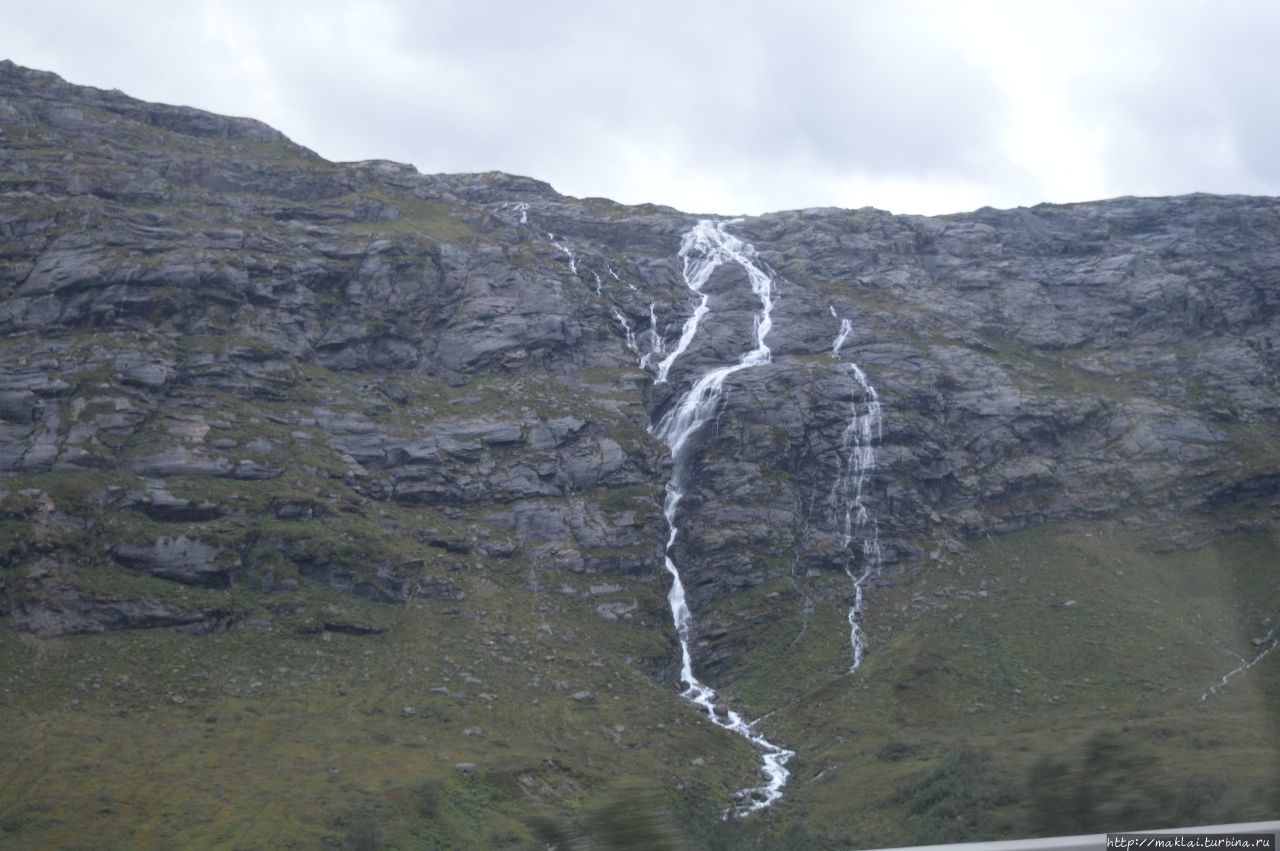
260,735
1024,650
1052,372
957,798
433,220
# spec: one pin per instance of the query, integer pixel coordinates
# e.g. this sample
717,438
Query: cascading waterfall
653,338
700,260
857,460
631,337
573,261
630,285
704,248
1245,664
686,335
632,344
846,328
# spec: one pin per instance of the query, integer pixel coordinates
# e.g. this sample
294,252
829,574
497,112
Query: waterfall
631,337
654,338
1245,664
857,460
846,328
630,285
686,335
573,261
704,248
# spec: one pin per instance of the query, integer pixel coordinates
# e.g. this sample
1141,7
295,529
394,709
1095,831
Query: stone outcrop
228,362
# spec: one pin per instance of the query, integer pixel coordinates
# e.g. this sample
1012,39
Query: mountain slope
341,476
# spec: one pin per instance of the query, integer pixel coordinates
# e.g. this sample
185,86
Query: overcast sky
915,106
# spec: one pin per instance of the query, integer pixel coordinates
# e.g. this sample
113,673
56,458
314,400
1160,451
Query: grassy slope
253,738
284,738
935,738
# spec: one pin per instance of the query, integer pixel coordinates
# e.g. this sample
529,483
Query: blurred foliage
1114,783
953,801
633,816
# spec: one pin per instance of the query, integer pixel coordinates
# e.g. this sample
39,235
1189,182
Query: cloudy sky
916,106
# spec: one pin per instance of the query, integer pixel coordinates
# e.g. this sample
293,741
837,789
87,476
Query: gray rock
180,559
253,470
1040,365
63,612
614,611
178,462
18,406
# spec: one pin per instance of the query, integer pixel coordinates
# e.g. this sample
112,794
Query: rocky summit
345,476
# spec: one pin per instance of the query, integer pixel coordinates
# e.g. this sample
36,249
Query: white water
523,209
599,284
686,335
573,261
1245,665
705,247
652,338
846,328
631,337
857,460
630,285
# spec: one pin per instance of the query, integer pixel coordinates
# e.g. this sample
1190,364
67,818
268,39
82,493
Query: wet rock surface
229,363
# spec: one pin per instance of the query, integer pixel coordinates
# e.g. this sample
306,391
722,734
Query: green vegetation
432,220
1000,678
263,736
1053,373
991,705
1115,780
986,667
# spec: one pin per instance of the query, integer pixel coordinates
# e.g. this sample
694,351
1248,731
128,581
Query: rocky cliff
233,366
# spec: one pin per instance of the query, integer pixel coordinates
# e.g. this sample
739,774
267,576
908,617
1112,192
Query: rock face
230,363
180,560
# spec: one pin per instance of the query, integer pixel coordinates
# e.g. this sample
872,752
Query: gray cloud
720,106
1194,107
